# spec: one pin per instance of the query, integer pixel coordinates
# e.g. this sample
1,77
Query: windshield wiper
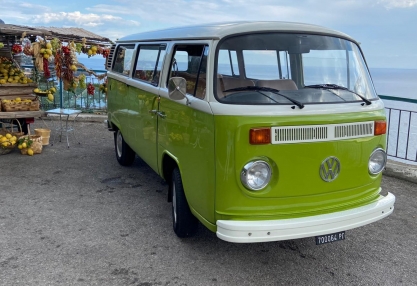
335,86
262,88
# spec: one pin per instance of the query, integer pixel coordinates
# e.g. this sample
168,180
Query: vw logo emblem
330,169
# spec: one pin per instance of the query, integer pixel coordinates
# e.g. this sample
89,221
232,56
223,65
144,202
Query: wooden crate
33,105
16,88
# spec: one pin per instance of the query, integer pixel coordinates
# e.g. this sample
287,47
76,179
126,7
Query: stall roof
64,34
16,30
75,34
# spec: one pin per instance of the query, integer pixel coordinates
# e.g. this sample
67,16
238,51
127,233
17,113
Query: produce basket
6,149
6,144
12,106
33,142
45,133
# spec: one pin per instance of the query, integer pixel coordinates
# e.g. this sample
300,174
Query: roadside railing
77,97
401,129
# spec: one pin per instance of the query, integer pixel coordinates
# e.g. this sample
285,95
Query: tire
185,224
124,154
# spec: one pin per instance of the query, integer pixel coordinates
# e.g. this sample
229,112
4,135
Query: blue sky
385,28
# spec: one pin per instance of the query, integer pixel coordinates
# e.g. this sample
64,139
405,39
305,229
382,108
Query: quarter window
228,63
149,63
190,62
123,61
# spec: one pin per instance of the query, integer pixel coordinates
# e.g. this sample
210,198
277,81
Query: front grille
318,133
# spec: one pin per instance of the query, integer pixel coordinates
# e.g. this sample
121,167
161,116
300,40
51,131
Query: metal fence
77,97
402,129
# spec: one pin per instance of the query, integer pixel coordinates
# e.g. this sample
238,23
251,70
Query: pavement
395,169
74,216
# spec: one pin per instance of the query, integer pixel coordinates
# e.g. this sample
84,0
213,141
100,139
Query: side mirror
177,88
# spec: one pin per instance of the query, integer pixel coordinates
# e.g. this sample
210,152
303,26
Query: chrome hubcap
119,143
174,202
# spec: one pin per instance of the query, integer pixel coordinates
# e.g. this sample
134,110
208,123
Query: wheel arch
168,163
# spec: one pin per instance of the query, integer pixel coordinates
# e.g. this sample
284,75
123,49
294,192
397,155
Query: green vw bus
265,131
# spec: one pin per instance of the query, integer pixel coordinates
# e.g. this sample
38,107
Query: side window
228,63
123,61
149,63
190,62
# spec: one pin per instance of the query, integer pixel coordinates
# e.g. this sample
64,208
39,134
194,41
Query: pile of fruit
17,49
17,100
49,93
9,73
25,143
7,140
103,87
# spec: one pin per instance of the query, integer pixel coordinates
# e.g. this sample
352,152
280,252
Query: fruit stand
17,100
53,54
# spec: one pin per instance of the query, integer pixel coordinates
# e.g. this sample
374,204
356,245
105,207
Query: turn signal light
259,136
380,127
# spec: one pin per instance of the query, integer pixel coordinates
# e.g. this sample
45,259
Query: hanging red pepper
46,71
90,89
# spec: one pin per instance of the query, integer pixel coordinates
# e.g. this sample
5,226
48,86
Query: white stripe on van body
286,110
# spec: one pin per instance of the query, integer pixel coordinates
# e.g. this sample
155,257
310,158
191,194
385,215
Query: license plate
328,238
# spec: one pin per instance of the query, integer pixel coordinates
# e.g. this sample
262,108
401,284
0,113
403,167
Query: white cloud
78,18
398,3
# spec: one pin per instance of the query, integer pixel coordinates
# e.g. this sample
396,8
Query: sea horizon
396,82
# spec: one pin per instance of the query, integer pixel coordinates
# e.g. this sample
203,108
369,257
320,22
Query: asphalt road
75,217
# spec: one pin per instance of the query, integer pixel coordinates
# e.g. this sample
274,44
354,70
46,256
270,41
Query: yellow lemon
8,136
24,145
50,97
30,152
19,146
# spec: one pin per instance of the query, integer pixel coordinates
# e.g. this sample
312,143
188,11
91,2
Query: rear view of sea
395,82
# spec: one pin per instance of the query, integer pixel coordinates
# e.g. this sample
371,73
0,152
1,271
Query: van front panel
296,188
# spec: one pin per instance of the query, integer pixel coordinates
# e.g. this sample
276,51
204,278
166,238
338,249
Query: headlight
377,161
255,175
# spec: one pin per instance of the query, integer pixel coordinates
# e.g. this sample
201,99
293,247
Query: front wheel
124,154
184,222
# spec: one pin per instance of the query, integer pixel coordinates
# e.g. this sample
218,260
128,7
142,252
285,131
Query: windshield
302,68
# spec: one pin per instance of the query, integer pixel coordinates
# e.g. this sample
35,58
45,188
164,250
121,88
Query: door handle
159,113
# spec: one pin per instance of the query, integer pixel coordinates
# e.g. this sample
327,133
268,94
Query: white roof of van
220,30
